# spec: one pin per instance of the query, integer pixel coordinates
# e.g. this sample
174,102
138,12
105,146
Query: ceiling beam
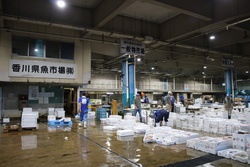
108,9
201,9
173,29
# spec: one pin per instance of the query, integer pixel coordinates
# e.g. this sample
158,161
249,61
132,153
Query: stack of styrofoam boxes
29,142
214,145
113,120
240,141
29,118
145,115
222,128
190,123
234,154
126,124
181,121
206,124
91,115
198,123
248,148
59,112
51,111
140,128
167,136
101,113
201,144
214,124
172,119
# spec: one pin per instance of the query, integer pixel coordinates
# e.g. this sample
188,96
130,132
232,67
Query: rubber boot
80,123
85,124
166,123
157,124
140,119
229,117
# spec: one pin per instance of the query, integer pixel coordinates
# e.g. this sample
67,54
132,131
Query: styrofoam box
240,139
227,153
51,111
217,144
51,117
60,113
140,129
27,109
67,119
115,116
125,138
109,128
103,120
6,120
241,157
125,132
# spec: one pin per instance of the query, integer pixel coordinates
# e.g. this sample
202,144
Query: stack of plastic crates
101,113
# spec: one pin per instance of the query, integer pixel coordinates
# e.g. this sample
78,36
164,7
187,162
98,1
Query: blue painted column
228,81
131,83
125,82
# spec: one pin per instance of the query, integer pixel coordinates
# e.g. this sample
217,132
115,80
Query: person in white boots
83,109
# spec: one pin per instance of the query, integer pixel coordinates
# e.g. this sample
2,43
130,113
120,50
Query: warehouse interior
199,49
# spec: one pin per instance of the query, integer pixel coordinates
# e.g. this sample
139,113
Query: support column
125,82
228,81
131,78
128,82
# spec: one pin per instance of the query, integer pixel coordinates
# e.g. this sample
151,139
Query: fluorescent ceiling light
204,67
247,72
36,50
212,37
60,3
152,68
139,59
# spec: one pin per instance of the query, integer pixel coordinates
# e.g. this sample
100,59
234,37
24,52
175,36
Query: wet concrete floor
64,146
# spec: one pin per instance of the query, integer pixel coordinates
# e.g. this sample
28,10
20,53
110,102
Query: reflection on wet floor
63,146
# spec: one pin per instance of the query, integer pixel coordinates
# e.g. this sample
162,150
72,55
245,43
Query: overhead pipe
94,31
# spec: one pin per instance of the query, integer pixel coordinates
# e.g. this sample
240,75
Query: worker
228,104
83,109
146,99
159,115
163,99
182,100
169,101
137,104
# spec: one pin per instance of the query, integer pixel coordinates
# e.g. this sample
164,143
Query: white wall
82,60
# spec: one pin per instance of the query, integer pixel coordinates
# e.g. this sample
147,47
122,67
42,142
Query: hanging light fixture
61,3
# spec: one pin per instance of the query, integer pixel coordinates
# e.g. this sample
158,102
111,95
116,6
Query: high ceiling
176,33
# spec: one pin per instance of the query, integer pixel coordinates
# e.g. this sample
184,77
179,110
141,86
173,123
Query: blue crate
57,122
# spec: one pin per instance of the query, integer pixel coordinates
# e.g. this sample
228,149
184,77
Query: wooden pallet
9,128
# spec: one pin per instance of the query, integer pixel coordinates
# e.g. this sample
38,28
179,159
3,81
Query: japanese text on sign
28,68
129,46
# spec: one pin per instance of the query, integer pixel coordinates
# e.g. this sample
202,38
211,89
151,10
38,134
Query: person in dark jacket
161,114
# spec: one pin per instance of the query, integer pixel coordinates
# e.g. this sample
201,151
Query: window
67,51
20,46
52,49
36,47
23,46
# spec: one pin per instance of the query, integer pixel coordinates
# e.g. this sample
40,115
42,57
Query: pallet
57,122
9,128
